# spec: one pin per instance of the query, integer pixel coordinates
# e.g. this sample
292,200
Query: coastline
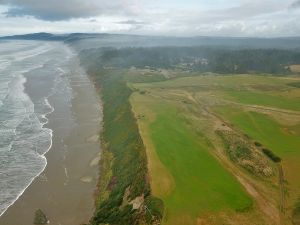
124,195
42,156
64,190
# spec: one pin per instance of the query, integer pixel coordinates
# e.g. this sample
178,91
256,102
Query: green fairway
265,130
263,99
284,141
180,116
201,183
254,90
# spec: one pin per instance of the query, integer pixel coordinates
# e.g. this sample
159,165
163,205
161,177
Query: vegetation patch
106,163
294,84
243,153
296,213
257,144
154,210
264,129
271,155
124,161
200,59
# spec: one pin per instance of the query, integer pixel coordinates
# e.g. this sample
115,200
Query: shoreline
43,126
64,189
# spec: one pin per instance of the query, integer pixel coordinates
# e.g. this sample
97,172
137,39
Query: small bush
245,209
294,84
271,155
154,208
257,144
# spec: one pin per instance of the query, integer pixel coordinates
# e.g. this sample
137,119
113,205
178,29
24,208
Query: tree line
201,59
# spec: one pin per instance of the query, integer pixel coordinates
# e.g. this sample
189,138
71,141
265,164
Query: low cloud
132,22
295,4
57,10
157,17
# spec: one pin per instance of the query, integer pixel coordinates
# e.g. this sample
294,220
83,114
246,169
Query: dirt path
264,108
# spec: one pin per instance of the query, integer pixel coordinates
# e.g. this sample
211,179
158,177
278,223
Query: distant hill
36,36
125,40
53,37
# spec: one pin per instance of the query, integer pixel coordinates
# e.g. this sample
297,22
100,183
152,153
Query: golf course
222,147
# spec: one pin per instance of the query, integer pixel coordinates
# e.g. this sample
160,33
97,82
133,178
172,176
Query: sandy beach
64,190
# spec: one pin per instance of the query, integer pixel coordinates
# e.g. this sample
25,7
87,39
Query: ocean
30,73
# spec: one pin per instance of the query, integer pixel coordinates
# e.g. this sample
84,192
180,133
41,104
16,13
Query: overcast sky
264,18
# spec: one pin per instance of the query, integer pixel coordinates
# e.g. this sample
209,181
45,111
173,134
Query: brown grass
161,180
295,68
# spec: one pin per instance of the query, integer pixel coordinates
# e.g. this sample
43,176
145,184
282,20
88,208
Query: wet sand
64,190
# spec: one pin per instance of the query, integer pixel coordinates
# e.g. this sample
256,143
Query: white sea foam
25,140
25,137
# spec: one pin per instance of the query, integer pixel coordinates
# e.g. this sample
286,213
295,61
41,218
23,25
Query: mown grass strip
201,183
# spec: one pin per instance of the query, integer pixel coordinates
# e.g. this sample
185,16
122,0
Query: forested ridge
199,59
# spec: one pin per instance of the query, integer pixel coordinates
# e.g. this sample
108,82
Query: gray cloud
246,12
159,17
55,10
132,22
295,4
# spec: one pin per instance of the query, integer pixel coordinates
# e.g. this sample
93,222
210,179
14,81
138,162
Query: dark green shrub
257,144
271,155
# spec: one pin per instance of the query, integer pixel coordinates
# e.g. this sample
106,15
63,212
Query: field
218,145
